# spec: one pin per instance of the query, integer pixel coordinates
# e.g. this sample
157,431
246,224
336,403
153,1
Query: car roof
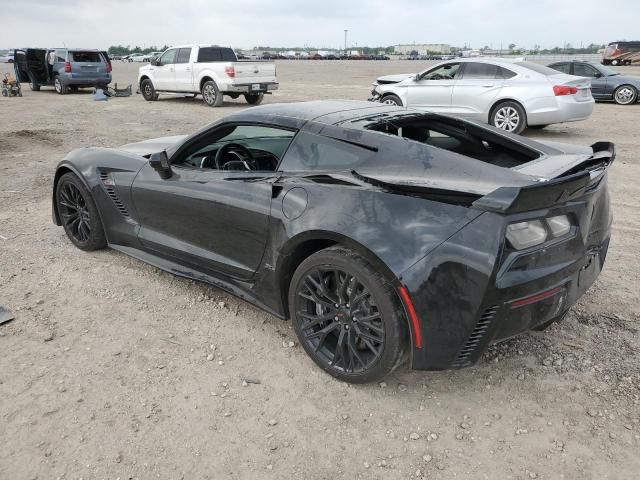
328,112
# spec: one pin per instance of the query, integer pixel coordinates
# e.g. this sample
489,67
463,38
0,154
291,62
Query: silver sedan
508,94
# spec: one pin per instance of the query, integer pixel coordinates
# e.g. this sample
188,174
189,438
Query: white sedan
508,94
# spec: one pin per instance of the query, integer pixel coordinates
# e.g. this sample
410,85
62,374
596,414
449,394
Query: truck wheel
254,98
148,92
211,95
60,87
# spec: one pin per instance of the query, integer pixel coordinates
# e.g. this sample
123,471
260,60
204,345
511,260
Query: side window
582,70
562,67
239,147
448,71
312,152
480,71
183,55
505,73
169,56
60,56
209,54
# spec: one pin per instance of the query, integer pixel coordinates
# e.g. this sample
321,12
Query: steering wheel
233,148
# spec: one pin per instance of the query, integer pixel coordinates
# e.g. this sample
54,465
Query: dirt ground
105,371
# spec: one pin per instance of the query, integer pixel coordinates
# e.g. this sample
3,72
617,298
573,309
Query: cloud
246,23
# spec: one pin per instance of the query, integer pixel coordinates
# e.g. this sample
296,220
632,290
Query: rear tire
211,95
148,91
78,214
391,100
508,116
625,95
61,88
361,340
254,98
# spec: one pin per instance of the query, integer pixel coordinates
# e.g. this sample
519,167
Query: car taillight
559,90
230,71
108,68
67,67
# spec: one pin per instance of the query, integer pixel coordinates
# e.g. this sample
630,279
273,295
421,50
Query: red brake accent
535,298
415,322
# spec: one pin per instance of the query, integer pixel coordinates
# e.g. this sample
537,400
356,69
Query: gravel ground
114,369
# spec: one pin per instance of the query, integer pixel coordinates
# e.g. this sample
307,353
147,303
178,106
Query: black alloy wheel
345,317
78,214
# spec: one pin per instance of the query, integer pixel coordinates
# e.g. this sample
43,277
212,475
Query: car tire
614,62
211,95
254,98
78,214
625,95
61,88
148,91
356,345
391,100
508,116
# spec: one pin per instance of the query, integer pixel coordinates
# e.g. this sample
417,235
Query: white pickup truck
210,70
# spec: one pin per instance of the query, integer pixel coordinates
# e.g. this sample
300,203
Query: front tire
625,95
211,95
78,214
148,91
508,116
347,316
254,98
391,100
61,88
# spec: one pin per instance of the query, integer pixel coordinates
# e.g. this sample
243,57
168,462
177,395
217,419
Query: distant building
423,48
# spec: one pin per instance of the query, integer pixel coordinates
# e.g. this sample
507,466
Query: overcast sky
247,23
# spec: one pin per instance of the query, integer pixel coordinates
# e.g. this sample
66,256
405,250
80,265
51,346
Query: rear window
85,57
538,68
216,54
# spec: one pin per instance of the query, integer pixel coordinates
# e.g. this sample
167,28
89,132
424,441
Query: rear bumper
72,79
566,109
473,290
251,87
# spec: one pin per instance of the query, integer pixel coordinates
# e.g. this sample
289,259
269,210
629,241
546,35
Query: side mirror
416,78
597,75
160,163
156,63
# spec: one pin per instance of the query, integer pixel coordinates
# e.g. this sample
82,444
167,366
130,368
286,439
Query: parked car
377,230
212,71
606,83
6,57
138,57
510,95
621,53
63,68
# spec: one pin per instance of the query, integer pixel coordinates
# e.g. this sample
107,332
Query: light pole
345,40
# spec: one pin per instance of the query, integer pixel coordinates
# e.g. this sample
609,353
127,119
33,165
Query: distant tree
512,46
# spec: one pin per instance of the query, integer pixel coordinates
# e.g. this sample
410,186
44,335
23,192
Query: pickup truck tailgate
255,72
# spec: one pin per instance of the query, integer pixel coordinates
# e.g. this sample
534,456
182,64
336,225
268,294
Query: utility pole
345,40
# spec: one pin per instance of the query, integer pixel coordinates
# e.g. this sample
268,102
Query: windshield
606,71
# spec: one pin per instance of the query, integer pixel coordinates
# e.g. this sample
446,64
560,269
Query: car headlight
559,226
523,235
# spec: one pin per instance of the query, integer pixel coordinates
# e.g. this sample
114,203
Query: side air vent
462,360
109,186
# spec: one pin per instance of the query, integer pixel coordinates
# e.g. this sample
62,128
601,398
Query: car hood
394,78
154,145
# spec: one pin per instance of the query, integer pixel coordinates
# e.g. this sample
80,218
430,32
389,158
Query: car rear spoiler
545,194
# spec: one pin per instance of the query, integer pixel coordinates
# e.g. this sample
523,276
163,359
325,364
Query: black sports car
377,230
606,83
